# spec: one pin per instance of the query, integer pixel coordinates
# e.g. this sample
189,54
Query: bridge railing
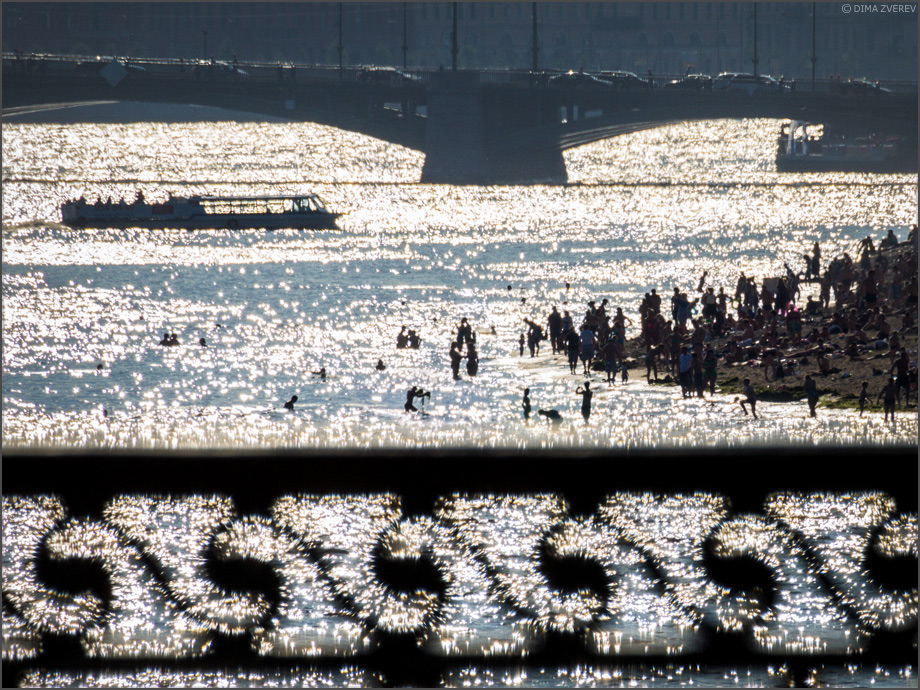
43,64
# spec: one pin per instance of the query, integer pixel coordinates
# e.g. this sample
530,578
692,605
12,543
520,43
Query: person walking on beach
651,364
525,403
710,372
611,356
888,396
586,394
685,373
573,347
902,366
811,394
554,321
750,397
587,348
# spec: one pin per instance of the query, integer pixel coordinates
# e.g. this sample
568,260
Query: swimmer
586,394
749,397
526,404
380,365
100,367
289,405
321,373
203,342
551,415
165,341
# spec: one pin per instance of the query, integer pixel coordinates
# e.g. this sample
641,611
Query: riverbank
840,388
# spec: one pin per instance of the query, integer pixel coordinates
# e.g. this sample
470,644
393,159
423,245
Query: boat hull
312,221
819,163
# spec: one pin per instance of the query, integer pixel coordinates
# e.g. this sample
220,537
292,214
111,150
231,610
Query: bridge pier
462,147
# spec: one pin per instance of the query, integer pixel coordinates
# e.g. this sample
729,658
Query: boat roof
267,197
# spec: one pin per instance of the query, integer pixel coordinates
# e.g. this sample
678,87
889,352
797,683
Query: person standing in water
889,396
289,405
525,403
863,397
414,392
811,394
750,397
586,394
472,359
456,356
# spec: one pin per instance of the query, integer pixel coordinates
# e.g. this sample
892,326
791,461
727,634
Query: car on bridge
218,70
748,83
625,80
860,87
572,78
692,82
386,75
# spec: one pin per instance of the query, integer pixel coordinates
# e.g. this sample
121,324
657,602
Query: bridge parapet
475,126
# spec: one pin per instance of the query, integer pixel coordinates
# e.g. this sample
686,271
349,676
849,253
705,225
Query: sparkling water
83,310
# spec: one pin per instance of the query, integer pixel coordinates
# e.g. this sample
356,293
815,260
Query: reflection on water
485,578
274,307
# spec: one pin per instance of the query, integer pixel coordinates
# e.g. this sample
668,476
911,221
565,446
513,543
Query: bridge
474,127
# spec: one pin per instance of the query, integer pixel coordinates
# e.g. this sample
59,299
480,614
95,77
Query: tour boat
801,150
303,211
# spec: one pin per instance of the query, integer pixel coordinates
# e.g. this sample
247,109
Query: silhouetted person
472,359
289,405
551,415
203,342
321,373
586,394
525,403
456,356
380,365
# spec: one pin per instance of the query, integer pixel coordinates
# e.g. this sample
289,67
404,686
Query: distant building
661,37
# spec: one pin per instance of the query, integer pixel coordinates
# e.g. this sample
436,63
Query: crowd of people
861,323
861,320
